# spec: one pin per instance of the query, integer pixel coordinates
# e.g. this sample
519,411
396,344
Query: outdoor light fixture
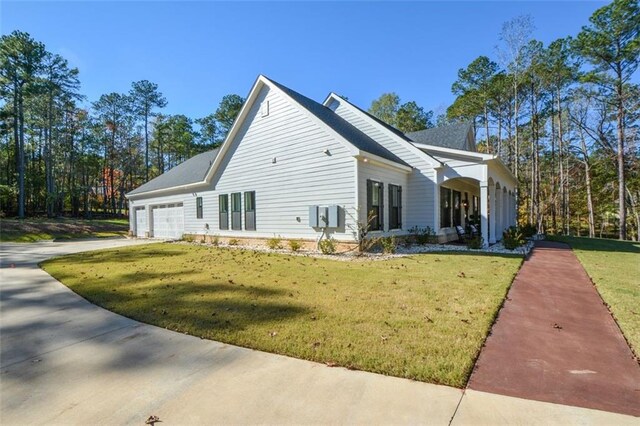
366,160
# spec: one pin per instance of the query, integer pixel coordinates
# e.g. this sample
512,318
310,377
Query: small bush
528,230
423,236
274,243
475,243
215,240
295,245
234,242
327,246
389,244
188,238
512,238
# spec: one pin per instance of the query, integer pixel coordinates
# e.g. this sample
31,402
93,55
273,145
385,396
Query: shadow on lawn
180,304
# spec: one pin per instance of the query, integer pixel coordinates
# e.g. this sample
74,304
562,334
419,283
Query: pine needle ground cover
32,230
423,317
614,267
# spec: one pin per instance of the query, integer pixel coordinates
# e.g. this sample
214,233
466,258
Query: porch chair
462,234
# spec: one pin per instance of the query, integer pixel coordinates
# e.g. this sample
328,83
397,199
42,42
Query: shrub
215,240
367,244
389,244
327,246
475,243
274,243
295,245
512,238
233,242
528,230
188,238
423,235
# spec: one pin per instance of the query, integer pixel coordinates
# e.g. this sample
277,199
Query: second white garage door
168,221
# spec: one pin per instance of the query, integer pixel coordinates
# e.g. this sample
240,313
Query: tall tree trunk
622,211
516,142
146,145
563,193
486,129
16,141
500,135
21,194
587,181
554,195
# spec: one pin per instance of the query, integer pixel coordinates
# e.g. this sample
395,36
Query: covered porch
477,190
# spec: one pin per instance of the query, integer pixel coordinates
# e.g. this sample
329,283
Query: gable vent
265,108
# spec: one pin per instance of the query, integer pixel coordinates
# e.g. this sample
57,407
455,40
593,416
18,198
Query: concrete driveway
64,360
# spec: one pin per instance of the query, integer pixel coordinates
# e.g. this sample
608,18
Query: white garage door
168,221
141,222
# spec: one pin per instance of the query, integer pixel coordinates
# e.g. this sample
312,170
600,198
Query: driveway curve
65,360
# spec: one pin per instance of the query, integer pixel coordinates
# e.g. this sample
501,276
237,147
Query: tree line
563,117
60,155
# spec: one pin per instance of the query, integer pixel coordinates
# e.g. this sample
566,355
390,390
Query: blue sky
199,51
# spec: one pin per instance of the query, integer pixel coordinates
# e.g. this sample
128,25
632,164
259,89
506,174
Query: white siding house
297,169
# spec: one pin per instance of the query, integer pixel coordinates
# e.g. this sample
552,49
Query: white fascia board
154,192
374,159
460,153
434,161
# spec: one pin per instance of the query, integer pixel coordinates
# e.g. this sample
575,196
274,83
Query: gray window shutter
381,205
369,198
399,207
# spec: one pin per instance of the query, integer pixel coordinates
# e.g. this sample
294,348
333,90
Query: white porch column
492,214
498,215
505,209
484,212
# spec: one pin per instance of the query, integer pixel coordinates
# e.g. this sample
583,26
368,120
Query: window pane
249,201
235,202
224,203
375,196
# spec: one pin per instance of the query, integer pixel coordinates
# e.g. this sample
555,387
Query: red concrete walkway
555,340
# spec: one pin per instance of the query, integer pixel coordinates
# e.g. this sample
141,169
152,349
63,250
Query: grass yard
423,317
31,230
614,267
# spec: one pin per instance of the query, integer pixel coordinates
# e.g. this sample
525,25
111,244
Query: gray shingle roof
345,129
191,171
452,136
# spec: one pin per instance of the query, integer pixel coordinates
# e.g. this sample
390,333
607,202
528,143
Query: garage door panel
141,222
168,222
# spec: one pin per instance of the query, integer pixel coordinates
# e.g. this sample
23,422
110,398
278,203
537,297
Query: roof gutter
188,186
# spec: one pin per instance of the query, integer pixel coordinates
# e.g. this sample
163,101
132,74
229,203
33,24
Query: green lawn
423,317
38,229
614,267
